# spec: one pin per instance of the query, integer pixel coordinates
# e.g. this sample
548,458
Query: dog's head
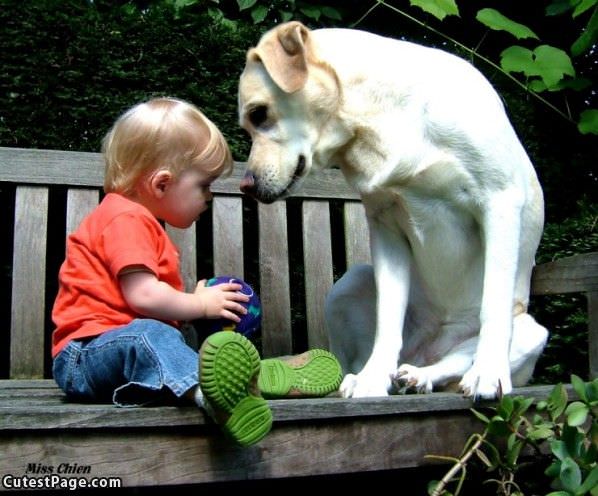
287,102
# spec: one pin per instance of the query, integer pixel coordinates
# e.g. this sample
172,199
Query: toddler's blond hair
165,133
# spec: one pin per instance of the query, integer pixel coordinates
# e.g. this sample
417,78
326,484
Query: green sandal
229,368
311,374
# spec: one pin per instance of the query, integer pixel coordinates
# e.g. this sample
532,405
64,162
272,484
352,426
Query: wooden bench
44,194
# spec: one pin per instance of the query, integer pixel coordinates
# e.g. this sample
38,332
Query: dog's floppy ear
284,52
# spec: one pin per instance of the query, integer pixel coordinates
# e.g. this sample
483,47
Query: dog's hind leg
528,341
350,311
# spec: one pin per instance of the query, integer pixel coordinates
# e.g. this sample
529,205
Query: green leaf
553,470
505,407
513,450
246,4
579,387
590,482
331,13
577,413
285,15
582,6
480,416
559,493
588,122
553,64
570,475
522,405
495,20
541,432
559,7
493,455
311,12
518,59
259,13
438,8
588,38
559,449
548,62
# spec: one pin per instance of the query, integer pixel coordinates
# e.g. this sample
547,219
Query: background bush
69,68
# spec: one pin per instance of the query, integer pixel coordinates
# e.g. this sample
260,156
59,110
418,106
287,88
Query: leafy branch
566,431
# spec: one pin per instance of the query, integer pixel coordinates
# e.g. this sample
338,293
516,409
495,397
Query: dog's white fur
454,207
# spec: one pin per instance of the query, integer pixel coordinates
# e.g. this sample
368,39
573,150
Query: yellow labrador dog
454,207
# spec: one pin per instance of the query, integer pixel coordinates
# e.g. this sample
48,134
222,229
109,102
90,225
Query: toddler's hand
221,300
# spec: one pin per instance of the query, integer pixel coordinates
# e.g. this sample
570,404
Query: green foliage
274,11
70,68
549,63
561,436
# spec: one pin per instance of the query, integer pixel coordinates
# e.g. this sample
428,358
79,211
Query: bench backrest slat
357,237
79,202
227,219
185,240
29,278
317,253
277,338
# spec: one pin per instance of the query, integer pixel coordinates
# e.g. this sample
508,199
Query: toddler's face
186,198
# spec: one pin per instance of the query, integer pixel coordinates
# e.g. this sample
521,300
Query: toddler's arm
153,298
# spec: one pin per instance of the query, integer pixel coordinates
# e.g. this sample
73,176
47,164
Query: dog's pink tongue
247,183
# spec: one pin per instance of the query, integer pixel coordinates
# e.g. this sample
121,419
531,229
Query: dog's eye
258,115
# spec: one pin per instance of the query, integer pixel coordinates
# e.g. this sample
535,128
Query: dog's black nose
248,184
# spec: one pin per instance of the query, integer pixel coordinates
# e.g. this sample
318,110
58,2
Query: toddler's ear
159,182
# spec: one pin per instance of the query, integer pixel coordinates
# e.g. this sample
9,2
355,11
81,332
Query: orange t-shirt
119,233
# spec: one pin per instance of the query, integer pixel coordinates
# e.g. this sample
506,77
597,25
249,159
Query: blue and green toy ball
250,322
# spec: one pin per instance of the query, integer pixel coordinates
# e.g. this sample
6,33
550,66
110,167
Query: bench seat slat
15,402
29,278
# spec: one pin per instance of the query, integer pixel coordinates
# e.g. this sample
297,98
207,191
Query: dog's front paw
364,386
411,378
482,383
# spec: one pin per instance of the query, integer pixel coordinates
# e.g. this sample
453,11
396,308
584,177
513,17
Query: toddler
121,300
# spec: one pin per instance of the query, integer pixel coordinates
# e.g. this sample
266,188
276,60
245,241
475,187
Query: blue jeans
142,363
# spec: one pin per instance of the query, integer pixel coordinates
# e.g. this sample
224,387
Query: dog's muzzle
251,186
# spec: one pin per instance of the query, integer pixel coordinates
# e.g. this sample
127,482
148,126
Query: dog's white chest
444,239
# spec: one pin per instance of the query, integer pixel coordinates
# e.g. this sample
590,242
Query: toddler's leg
141,363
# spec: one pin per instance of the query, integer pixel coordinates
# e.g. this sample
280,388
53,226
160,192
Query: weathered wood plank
227,233
186,242
357,237
79,203
31,166
277,337
317,254
170,456
28,282
46,409
578,273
